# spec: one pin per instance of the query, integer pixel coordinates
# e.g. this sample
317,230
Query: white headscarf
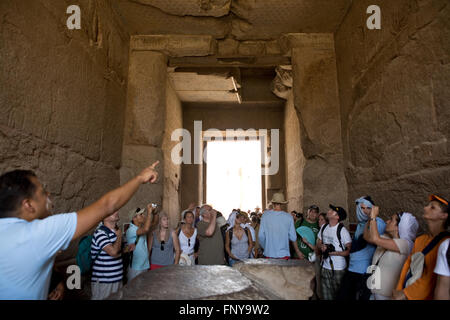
231,219
407,228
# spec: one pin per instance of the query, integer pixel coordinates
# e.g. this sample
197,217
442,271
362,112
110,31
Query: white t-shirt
442,268
27,254
390,264
330,236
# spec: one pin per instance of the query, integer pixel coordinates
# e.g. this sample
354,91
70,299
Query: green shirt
302,246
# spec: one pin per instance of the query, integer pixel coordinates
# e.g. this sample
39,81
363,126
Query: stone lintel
216,61
175,45
319,41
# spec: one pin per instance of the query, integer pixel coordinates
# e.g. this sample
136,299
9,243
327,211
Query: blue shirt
275,231
362,259
140,254
27,254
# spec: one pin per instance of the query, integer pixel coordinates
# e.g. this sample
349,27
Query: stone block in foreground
192,283
288,279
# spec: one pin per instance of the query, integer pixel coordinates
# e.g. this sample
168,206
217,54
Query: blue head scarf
362,218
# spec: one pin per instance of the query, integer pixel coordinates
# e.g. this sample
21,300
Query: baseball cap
340,211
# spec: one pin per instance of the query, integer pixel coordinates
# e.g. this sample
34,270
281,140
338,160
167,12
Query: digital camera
330,248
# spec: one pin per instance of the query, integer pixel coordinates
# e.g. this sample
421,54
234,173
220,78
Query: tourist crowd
381,260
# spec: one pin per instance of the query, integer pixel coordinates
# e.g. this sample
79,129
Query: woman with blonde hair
164,246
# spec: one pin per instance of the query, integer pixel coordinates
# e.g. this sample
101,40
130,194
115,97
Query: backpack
417,264
339,229
84,258
231,234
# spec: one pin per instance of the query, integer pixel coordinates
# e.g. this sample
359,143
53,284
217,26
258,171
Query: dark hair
15,186
324,215
186,213
369,198
446,209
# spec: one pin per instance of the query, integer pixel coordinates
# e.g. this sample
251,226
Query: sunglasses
162,245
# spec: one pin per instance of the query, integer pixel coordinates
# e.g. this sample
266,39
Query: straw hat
278,198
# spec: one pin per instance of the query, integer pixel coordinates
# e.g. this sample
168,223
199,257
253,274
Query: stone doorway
233,175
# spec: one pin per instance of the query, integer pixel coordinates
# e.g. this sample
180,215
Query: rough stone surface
289,280
63,98
147,20
146,101
395,103
175,45
246,19
134,159
213,8
317,103
295,161
192,283
172,171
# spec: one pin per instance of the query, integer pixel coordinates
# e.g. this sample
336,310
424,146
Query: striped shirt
106,269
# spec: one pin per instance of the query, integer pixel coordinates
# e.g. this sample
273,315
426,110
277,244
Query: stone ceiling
237,19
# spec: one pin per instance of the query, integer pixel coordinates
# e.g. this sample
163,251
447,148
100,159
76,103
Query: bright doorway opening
233,175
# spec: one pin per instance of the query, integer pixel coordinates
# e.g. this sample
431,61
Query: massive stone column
145,122
317,104
153,113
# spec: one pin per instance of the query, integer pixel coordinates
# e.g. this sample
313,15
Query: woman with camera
164,245
393,248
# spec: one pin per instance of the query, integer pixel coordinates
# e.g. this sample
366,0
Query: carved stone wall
395,103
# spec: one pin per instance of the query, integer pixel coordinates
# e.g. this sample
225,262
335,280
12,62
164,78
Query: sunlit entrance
233,175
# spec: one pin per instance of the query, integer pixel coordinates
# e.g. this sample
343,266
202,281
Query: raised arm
212,224
148,221
374,236
89,217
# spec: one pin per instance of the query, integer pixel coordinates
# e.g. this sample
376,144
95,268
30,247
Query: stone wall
144,126
172,171
395,103
62,97
317,103
295,161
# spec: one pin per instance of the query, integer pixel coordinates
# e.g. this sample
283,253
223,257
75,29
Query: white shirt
27,254
330,236
390,264
184,243
442,268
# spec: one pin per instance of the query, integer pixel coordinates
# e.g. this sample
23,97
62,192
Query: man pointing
30,236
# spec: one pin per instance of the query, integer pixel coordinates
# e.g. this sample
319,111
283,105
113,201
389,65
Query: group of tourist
381,261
